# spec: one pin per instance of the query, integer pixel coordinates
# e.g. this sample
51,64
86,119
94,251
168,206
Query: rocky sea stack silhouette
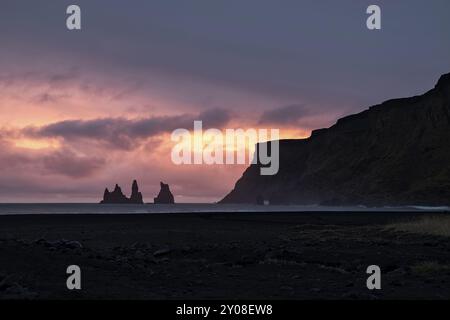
164,196
395,153
117,195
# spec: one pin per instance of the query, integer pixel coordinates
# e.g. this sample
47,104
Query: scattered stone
139,254
13,290
162,252
286,288
59,244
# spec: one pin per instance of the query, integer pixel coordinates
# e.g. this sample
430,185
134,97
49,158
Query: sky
83,110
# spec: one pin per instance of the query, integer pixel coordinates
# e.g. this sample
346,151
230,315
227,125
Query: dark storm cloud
69,164
287,115
48,97
10,157
214,118
321,49
124,133
50,78
62,162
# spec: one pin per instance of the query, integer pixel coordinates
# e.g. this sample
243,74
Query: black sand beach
220,256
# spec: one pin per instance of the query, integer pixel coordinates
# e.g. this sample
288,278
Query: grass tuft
434,225
428,267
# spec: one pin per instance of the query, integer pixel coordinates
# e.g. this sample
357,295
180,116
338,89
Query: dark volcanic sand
215,256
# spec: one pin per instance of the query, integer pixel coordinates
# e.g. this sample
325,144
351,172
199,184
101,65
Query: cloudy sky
82,110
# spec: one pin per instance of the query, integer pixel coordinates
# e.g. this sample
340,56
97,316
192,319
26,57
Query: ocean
93,208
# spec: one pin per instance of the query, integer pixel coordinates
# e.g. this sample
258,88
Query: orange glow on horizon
36,144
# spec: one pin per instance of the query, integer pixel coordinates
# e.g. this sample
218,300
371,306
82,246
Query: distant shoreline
151,209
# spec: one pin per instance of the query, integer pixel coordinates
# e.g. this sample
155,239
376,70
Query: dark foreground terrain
212,256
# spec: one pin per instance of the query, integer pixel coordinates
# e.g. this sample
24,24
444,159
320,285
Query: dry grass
434,225
429,267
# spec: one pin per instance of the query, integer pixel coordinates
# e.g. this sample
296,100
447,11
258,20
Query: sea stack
164,196
117,196
136,196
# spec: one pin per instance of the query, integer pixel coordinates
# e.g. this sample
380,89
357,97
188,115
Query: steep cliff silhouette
117,195
164,196
395,153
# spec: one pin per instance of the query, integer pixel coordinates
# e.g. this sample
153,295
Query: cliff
395,153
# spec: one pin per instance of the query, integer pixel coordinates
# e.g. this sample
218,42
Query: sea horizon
180,208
